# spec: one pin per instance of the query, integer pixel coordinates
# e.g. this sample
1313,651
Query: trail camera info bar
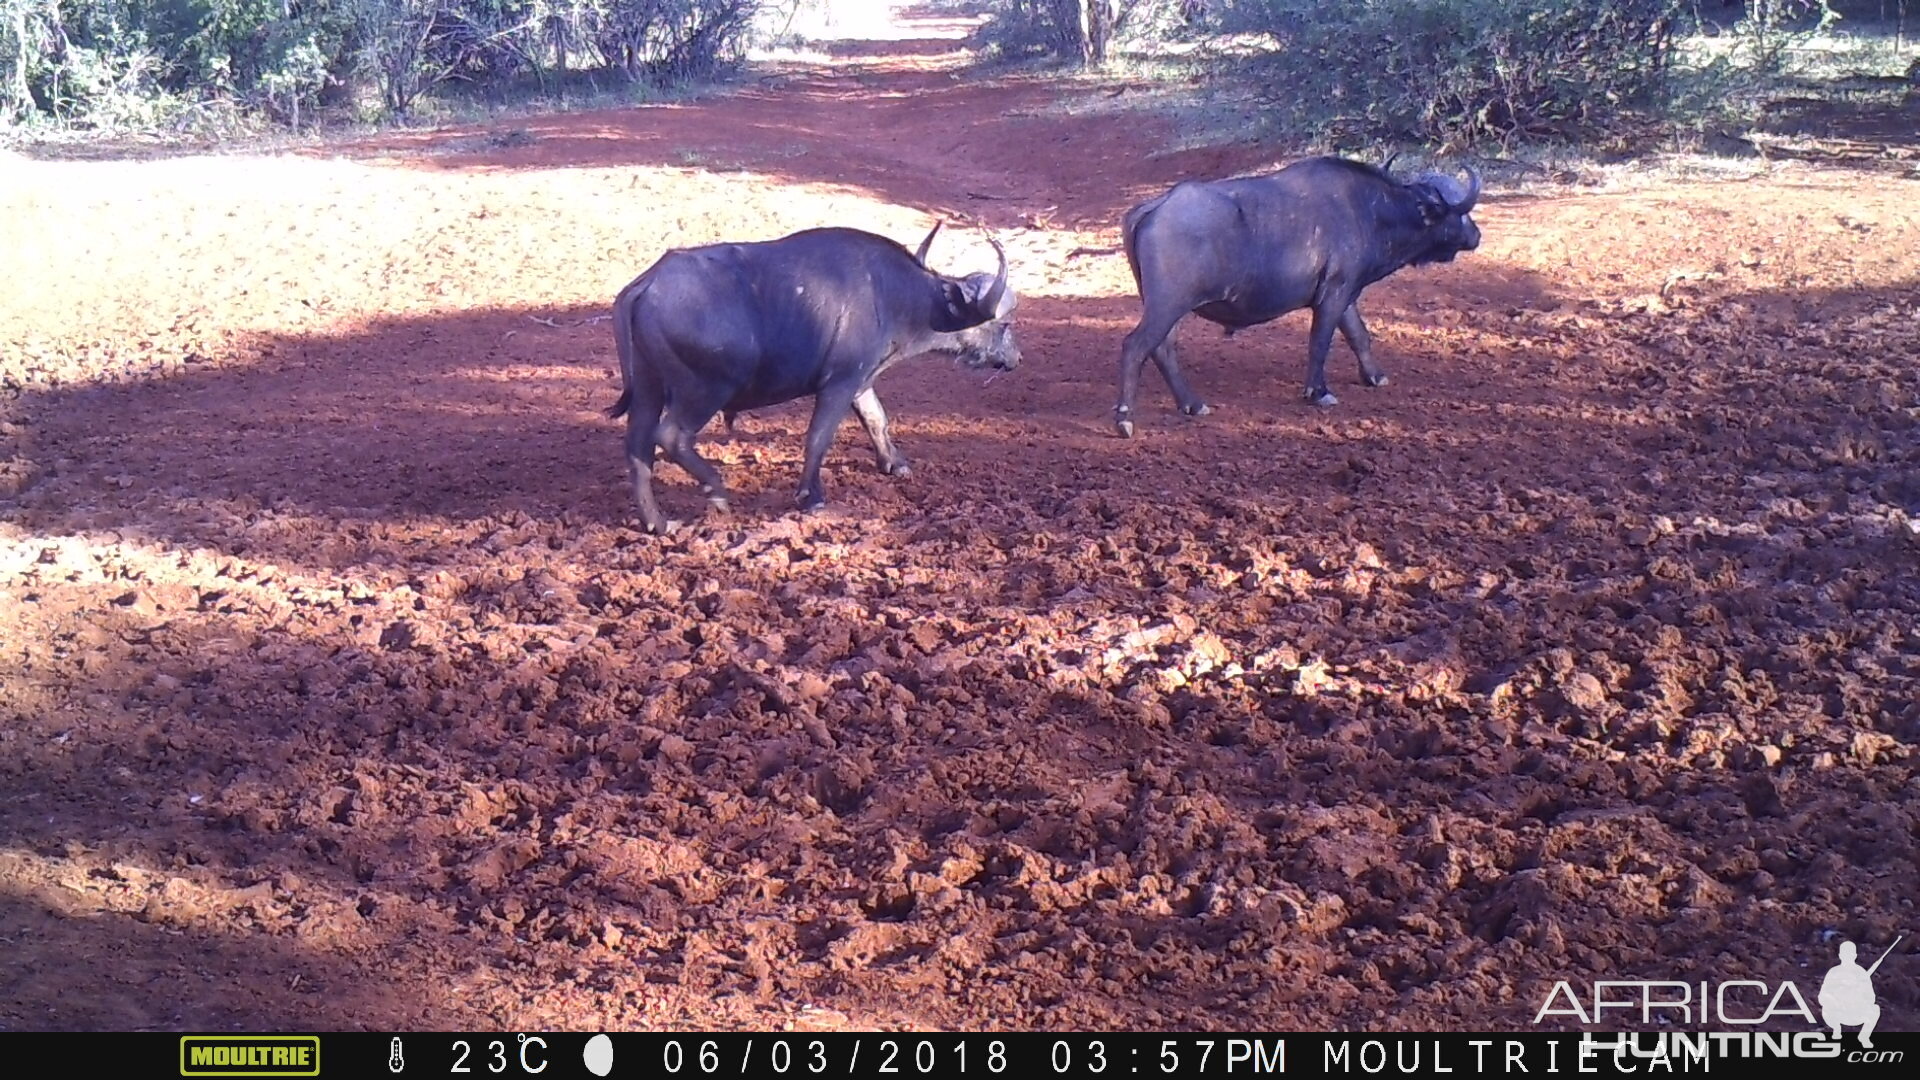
804,1055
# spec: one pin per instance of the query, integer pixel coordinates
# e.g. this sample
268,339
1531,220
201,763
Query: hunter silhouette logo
1740,1009
1846,994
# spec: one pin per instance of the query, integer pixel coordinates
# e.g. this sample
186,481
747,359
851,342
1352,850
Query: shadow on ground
473,416
74,969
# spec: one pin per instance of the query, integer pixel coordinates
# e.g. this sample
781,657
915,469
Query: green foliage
1080,30
1453,73
103,88
131,64
1771,27
673,40
299,69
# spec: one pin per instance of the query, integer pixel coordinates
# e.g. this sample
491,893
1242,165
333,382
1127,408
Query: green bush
1772,27
137,63
1079,30
104,90
1453,73
675,39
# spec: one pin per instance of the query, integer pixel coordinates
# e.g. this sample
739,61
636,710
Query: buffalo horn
920,256
989,305
1473,192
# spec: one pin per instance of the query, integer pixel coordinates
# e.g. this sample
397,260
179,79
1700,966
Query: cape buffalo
820,313
1247,251
988,345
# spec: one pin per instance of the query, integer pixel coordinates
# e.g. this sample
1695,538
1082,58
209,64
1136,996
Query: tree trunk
21,91
1094,26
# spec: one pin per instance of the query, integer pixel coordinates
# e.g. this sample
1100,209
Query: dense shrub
1081,30
1769,28
125,63
1456,72
676,39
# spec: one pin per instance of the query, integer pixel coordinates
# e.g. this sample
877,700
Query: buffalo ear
1433,207
970,301
958,308
979,288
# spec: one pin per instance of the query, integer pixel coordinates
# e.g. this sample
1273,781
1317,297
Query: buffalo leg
1169,365
1154,327
874,418
1355,331
830,409
685,417
643,422
1319,343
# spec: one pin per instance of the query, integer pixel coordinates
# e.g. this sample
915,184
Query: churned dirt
339,689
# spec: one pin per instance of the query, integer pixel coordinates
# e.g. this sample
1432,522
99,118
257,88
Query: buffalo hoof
1124,427
810,504
1323,399
1377,380
899,470
1198,408
720,504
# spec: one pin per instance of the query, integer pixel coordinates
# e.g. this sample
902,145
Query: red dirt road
338,688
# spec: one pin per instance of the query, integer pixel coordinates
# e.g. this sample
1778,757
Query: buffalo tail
623,343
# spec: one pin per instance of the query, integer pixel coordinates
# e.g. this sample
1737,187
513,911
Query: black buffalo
820,313
1247,251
